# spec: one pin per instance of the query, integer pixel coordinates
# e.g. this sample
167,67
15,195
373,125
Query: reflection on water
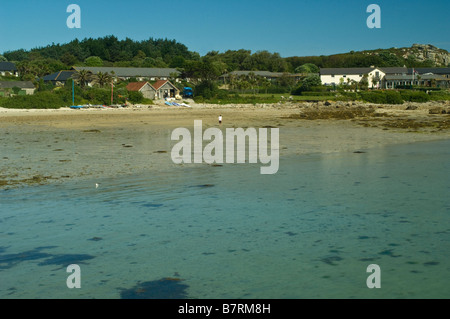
309,231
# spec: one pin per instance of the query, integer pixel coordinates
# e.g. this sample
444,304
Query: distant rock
437,110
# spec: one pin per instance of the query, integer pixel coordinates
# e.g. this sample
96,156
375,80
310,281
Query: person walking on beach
220,119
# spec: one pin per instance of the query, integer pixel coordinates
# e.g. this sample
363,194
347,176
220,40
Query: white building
336,76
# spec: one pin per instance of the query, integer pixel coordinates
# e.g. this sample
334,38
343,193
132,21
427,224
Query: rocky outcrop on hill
424,52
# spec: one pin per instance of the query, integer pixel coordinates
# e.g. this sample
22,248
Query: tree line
163,53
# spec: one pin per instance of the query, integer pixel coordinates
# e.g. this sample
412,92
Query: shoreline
49,146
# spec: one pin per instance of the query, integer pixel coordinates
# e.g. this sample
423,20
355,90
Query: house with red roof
161,89
147,90
165,89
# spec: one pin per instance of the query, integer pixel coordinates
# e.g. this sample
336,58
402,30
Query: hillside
419,55
162,53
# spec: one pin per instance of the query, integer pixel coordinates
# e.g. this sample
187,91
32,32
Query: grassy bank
62,98
374,96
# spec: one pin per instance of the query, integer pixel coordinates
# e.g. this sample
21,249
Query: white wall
330,80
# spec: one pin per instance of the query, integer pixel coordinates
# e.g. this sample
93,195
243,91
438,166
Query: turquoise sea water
309,231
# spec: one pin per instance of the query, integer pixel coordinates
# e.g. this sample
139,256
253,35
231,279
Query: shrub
207,89
439,96
274,89
307,84
382,97
414,96
318,93
135,97
373,97
351,95
393,97
40,100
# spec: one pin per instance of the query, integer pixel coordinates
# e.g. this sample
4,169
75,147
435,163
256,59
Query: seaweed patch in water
331,260
65,260
290,233
152,205
388,252
166,288
10,260
431,263
204,185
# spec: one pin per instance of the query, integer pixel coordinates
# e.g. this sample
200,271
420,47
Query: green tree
364,83
135,97
101,79
287,81
83,77
375,81
307,83
25,69
16,90
3,59
307,68
265,83
68,59
93,61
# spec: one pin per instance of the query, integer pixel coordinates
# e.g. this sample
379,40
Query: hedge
415,96
382,97
40,100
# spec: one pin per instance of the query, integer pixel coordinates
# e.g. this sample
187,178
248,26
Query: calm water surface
310,231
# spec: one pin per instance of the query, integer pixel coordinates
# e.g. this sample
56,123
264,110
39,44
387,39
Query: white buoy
96,185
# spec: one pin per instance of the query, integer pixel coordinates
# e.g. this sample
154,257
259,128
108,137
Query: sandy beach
51,146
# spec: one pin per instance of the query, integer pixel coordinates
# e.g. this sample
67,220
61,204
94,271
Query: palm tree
25,68
83,77
102,79
375,80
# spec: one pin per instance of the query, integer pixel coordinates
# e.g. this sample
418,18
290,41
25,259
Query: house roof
7,66
132,72
59,76
137,86
259,73
404,77
19,84
387,70
432,70
159,83
339,71
346,71
394,70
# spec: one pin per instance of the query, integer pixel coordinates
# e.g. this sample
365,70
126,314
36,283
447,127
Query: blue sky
289,27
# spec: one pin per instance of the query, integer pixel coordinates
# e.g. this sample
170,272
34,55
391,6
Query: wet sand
52,146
